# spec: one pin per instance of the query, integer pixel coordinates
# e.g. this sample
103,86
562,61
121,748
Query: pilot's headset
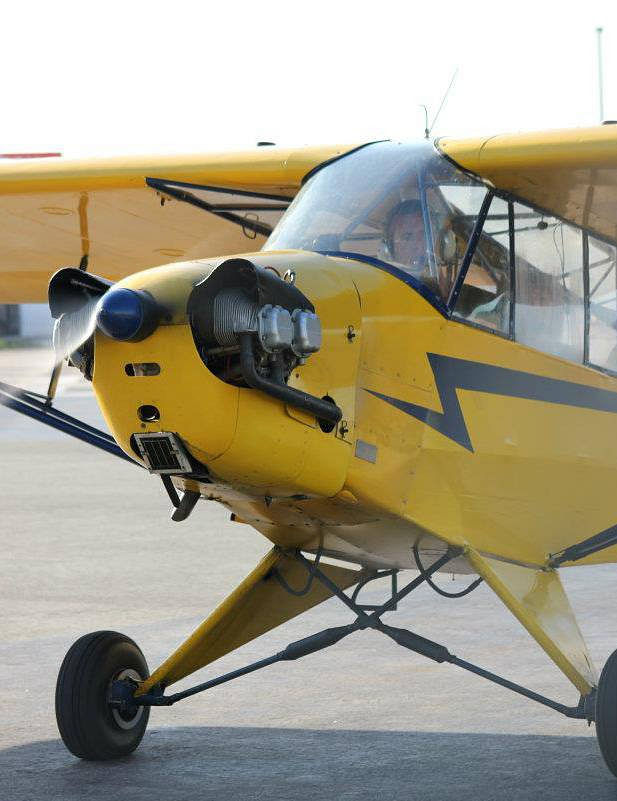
445,243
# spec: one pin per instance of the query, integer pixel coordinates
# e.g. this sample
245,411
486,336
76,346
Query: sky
99,78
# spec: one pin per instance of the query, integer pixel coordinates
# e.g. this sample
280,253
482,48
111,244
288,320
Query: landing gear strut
101,714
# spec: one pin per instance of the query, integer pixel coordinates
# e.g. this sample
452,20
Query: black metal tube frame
122,692
39,408
379,574
179,193
295,650
599,542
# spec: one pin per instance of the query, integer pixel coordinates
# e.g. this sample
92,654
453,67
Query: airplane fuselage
449,434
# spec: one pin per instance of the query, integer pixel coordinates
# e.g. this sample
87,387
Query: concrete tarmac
86,544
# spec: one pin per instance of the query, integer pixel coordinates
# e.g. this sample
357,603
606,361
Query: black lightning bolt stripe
452,374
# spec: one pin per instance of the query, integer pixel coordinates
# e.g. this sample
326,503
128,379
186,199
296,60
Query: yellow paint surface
538,600
53,212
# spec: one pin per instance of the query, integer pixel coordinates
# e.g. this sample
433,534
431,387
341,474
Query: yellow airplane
412,364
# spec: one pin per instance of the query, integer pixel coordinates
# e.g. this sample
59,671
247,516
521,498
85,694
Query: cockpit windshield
404,205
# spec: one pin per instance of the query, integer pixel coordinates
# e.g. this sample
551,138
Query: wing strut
39,408
605,539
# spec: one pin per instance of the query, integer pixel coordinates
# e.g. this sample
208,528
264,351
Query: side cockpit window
549,309
543,282
602,341
487,259
485,295
453,210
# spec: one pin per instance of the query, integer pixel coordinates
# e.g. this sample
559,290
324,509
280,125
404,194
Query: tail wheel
606,713
89,726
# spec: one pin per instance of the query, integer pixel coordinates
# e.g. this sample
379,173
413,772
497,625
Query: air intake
163,453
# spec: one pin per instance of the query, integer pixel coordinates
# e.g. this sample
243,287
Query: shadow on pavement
261,763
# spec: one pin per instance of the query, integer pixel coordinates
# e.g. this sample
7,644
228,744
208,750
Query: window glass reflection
549,313
485,296
404,205
602,304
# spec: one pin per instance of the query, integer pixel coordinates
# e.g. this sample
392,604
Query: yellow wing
571,173
121,215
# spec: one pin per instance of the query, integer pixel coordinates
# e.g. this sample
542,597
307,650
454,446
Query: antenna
600,82
443,101
426,128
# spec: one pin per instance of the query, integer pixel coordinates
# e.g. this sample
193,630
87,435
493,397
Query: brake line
434,586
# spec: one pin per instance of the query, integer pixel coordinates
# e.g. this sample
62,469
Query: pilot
405,237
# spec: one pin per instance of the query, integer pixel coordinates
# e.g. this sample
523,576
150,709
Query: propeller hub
128,315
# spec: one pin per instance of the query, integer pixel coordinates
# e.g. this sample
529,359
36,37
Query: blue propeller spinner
128,315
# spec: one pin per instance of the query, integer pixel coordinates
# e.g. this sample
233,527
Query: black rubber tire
87,724
606,713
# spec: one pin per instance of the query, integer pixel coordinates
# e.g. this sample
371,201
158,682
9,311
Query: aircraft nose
128,315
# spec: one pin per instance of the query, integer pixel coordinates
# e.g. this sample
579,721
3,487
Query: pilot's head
405,236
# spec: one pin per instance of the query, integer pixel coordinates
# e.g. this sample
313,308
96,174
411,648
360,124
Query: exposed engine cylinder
240,297
275,327
233,313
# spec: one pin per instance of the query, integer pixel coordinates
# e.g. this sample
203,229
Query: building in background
10,320
28,322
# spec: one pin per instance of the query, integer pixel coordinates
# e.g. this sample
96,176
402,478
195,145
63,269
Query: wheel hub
125,713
